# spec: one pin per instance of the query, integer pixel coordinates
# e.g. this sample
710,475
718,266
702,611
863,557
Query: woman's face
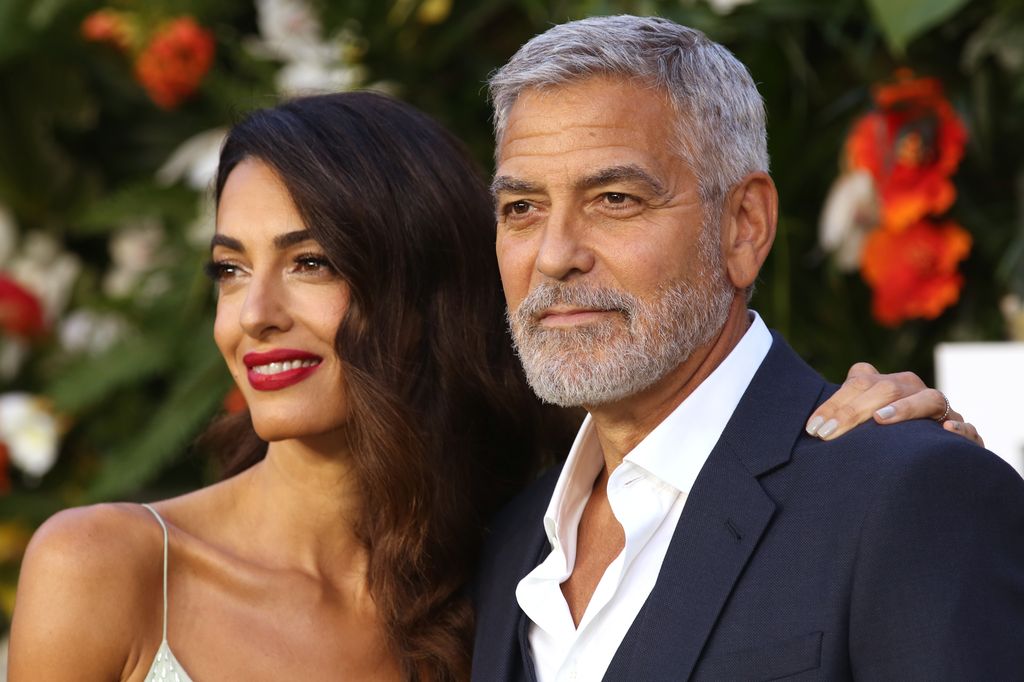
279,306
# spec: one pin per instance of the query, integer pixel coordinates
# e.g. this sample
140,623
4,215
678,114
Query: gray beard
601,363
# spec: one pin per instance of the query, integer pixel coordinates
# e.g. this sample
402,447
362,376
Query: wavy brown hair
442,423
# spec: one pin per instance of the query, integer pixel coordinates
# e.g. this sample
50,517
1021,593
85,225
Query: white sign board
985,383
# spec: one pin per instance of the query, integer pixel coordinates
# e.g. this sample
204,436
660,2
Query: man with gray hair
696,531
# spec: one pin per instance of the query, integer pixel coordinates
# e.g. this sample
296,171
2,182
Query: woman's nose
265,309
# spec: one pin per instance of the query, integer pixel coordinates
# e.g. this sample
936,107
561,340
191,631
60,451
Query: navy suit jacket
891,553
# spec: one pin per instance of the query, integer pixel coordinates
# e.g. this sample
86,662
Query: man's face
611,277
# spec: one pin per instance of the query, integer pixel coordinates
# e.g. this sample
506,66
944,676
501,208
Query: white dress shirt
646,493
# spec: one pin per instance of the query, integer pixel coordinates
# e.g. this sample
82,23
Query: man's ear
748,227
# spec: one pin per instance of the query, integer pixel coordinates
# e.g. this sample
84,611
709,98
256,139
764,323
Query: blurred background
895,130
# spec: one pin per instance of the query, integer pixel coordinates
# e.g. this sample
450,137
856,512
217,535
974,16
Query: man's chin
581,380
577,341
579,394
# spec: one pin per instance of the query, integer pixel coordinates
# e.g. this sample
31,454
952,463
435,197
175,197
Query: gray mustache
551,294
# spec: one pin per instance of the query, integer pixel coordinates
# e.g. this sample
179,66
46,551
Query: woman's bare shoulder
88,593
96,544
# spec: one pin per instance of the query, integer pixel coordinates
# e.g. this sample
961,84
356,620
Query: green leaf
191,404
30,506
91,380
903,20
176,203
43,12
15,33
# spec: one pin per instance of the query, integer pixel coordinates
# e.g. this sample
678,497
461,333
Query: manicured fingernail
812,426
886,412
826,430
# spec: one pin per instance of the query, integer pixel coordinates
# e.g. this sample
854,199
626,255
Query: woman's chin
276,430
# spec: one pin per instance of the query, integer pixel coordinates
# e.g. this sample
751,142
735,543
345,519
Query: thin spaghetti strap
164,527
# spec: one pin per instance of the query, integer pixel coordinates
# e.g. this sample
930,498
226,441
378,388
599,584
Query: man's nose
266,307
565,250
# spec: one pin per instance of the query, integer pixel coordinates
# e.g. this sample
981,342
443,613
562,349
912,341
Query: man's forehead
597,112
591,101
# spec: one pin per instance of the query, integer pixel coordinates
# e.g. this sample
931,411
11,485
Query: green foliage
80,386
904,20
194,398
81,144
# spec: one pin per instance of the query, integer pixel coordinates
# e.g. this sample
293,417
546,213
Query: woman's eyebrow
281,241
227,242
288,239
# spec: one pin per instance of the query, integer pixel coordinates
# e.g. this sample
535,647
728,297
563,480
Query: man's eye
617,197
518,208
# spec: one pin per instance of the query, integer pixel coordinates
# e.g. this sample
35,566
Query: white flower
291,32
727,6
851,210
8,234
200,231
310,77
135,251
290,29
45,269
87,331
195,159
30,432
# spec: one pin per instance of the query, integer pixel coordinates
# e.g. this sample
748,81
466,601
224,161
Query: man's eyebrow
281,241
507,183
626,173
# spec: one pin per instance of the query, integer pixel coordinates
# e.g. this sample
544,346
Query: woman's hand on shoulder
82,602
888,399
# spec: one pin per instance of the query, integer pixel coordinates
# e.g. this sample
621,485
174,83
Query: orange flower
913,272
911,146
109,26
173,64
21,313
234,401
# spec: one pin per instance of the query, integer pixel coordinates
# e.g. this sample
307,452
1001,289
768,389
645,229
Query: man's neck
620,426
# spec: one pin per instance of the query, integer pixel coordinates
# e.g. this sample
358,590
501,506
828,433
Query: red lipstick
292,366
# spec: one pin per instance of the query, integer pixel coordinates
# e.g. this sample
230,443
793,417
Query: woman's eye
313,263
220,270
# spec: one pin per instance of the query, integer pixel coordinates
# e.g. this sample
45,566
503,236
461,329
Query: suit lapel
501,651
723,520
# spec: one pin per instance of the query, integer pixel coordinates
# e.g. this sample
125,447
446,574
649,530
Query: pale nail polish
886,412
814,424
826,430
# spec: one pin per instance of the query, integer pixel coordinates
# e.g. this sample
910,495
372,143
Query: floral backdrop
895,133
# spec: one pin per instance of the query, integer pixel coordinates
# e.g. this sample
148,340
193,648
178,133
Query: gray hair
720,128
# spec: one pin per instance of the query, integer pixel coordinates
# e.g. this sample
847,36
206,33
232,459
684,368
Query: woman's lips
279,368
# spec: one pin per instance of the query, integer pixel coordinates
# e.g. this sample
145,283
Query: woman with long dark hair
361,314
